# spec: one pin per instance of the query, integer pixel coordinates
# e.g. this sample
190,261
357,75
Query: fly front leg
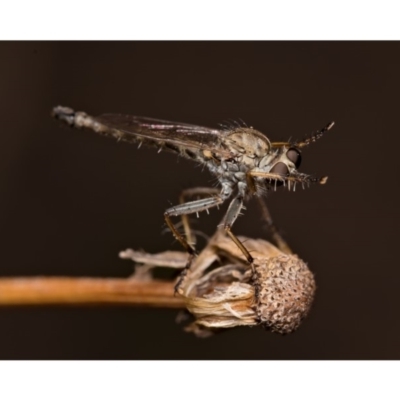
274,231
279,241
199,191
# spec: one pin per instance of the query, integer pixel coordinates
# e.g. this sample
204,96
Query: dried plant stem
87,291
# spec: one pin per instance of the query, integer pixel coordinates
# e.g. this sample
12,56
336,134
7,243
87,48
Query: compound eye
294,156
279,168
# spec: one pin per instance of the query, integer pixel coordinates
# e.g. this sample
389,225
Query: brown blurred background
71,200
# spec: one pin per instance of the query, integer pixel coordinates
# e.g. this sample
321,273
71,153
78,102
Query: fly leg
199,191
184,209
276,236
231,216
189,208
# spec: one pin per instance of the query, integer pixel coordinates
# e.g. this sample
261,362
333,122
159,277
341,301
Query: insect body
244,161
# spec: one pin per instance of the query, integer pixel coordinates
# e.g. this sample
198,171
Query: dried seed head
278,295
285,289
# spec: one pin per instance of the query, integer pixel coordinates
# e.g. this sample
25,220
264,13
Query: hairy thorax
247,147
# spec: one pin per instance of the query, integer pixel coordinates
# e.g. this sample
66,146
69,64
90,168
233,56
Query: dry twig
87,291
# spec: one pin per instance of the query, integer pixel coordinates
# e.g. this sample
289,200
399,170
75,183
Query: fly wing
173,135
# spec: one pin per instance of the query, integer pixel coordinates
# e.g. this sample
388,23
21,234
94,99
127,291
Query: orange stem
87,291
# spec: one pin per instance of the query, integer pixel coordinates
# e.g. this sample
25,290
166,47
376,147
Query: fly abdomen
79,119
66,114
193,142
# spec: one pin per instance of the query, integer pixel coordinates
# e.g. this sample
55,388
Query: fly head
280,166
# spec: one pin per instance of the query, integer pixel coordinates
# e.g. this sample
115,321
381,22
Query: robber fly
245,162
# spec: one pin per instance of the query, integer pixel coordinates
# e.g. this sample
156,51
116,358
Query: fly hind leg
183,210
189,208
198,191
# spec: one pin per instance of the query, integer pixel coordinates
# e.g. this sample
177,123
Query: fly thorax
247,162
230,169
248,143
